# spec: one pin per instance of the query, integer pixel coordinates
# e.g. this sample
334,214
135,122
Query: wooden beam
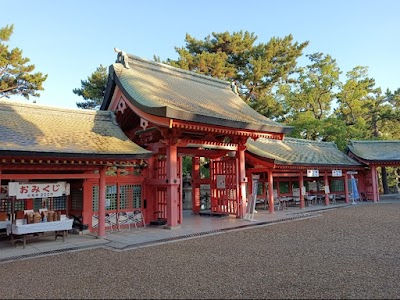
49,176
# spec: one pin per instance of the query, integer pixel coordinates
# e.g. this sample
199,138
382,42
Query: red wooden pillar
326,184
172,185
301,184
102,203
242,181
180,191
346,188
149,190
195,185
271,192
29,203
375,190
87,208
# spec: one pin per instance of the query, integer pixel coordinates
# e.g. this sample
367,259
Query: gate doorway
224,187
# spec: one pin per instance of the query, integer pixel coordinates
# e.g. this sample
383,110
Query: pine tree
16,77
92,89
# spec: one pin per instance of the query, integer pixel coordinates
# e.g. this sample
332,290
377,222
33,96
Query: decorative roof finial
234,87
122,57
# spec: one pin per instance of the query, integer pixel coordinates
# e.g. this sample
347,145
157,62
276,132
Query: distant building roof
292,151
165,91
375,150
64,132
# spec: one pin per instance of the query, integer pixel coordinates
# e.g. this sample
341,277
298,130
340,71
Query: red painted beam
48,176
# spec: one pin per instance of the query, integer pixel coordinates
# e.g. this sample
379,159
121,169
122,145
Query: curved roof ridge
64,132
161,67
374,141
8,104
305,141
202,100
297,151
375,150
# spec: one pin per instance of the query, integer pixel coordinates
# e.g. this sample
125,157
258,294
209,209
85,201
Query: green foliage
92,89
16,77
187,167
312,98
257,69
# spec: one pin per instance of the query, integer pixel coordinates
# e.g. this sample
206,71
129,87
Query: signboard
336,173
221,181
327,191
30,190
251,204
312,173
352,172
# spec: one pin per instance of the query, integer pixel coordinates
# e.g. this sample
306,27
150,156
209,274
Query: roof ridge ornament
234,87
122,57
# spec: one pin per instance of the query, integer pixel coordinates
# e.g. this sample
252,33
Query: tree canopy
314,99
257,69
92,90
16,75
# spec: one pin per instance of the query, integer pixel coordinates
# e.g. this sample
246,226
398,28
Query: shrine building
97,166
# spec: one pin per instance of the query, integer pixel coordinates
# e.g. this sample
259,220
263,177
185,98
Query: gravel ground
345,253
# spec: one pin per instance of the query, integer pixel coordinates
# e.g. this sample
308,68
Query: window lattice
137,196
5,205
284,187
111,197
76,199
19,205
95,198
55,203
59,203
37,204
130,196
337,185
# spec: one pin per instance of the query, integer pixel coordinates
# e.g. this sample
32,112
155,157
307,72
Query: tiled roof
165,91
292,151
45,129
376,150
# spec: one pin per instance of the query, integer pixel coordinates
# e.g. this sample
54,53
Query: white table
310,199
284,200
3,224
60,228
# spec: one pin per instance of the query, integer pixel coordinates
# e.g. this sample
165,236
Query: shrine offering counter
20,231
4,224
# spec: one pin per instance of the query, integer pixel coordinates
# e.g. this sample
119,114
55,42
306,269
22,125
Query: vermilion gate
224,186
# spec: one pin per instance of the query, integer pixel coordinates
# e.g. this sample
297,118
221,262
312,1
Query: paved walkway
193,226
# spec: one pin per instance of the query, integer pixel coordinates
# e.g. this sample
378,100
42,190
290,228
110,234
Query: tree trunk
384,181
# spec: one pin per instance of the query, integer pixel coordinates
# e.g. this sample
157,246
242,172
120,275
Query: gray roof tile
376,150
36,128
300,152
166,91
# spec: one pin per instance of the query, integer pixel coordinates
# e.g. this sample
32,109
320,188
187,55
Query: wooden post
301,185
242,181
102,203
375,190
87,205
326,184
195,185
346,188
172,185
271,192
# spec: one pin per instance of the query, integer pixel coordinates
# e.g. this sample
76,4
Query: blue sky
69,39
